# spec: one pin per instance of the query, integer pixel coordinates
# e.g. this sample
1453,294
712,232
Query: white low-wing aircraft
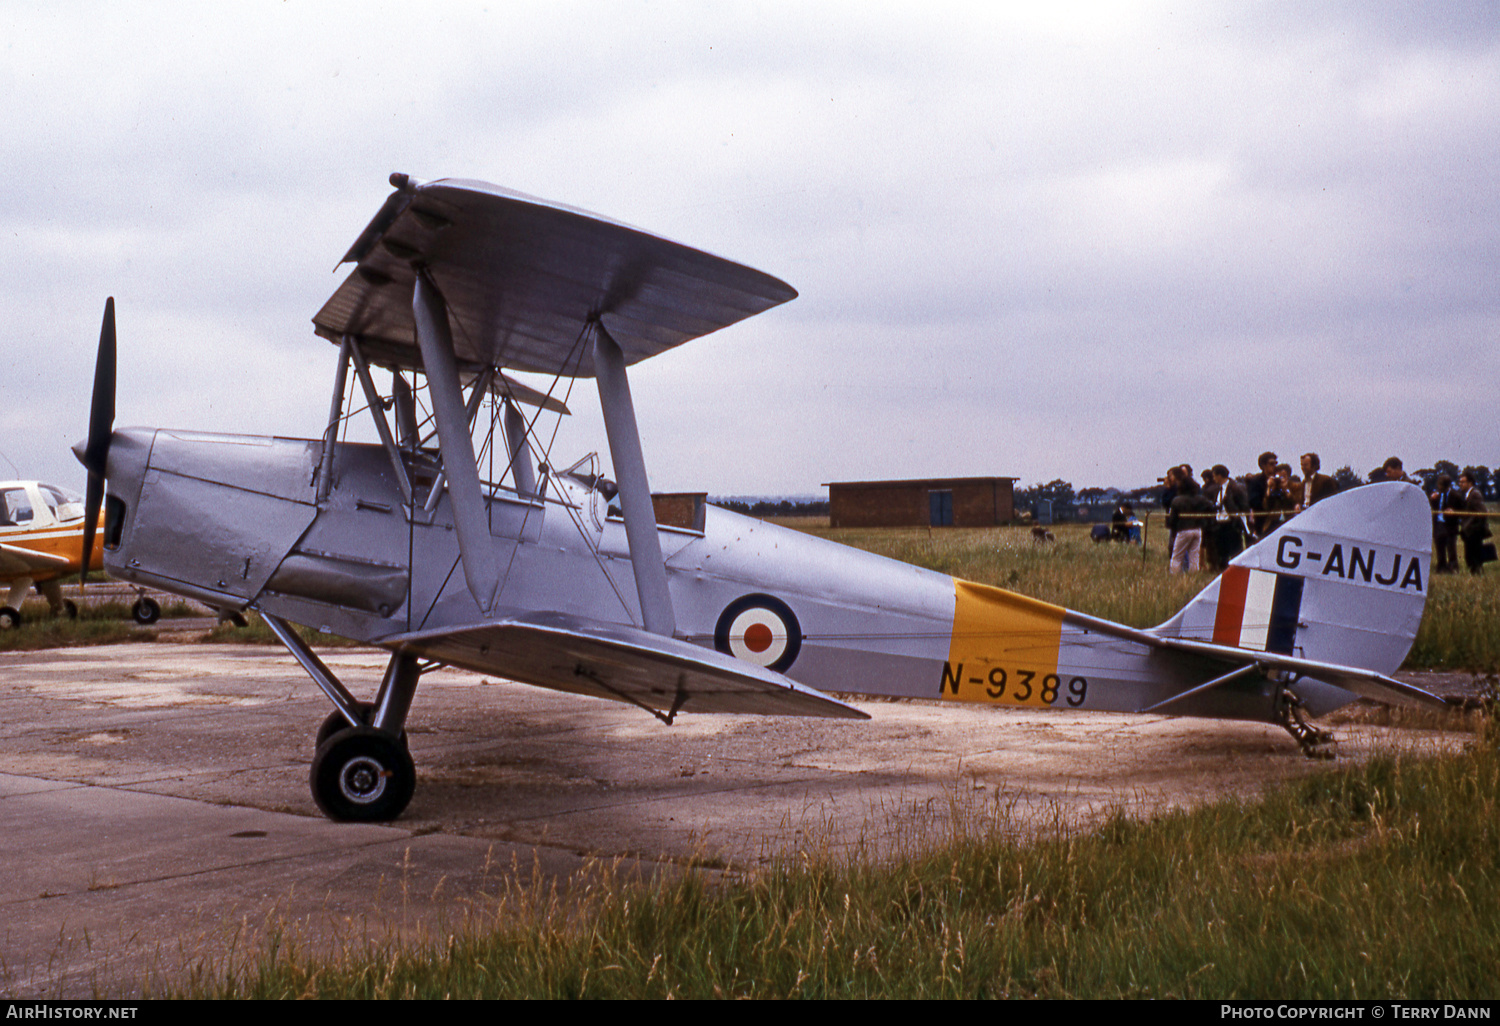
41,541
495,561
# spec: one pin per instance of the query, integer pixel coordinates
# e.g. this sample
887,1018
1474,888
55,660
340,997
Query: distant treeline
774,507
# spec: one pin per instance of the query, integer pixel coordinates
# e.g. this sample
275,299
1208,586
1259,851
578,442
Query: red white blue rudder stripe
1258,609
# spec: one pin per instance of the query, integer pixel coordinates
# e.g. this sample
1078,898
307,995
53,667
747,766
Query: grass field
104,623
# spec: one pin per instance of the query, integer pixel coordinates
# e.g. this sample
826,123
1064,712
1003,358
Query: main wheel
362,775
145,611
70,609
335,722
10,618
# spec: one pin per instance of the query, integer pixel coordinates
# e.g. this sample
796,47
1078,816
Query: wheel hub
363,780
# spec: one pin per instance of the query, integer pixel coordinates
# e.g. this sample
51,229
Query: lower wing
664,675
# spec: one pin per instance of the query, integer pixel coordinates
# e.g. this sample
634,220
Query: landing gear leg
396,691
362,771
365,773
1315,742
10,607
52,590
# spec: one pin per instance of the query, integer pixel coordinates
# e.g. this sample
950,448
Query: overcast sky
1065,240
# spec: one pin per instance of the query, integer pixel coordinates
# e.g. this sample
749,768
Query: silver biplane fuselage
566,580
362,565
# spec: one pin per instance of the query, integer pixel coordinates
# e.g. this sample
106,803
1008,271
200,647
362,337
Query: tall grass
1461,625
1367,881
109,623
1460,629
104,623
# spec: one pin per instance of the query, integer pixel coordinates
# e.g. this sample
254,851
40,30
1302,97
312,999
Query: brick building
933,502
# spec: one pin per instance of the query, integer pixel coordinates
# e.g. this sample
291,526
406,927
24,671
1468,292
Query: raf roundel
759,629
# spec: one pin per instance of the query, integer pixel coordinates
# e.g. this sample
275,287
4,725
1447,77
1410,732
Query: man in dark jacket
1256,487
1186,519
1474,529
1232,503
1445,501
1315,486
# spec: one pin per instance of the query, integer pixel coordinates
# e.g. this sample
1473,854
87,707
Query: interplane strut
635,492
481,567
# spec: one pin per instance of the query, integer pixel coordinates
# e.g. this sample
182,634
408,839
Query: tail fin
1344,582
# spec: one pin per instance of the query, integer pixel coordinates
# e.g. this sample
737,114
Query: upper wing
15,560
568,653
523,277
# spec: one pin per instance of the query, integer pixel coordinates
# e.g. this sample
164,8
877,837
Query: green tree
1346,478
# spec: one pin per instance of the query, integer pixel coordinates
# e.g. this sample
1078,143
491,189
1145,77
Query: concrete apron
157,818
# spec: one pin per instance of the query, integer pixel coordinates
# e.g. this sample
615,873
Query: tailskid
1315,742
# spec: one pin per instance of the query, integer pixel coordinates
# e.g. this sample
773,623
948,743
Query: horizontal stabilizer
1367,683
523,278
569,653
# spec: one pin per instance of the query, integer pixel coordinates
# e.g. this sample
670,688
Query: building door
940,508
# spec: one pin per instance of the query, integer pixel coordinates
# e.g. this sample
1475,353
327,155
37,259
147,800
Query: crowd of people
1212,521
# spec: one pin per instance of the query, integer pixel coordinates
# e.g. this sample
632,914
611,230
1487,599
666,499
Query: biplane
459,540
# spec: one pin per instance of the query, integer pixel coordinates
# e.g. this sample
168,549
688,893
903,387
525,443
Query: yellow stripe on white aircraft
1004,648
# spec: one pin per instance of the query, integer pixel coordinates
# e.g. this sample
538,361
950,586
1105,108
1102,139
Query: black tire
70,609
362,775
335,722
145,612
10,618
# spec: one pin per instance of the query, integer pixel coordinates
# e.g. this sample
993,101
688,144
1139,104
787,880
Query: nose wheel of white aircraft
363,775
145,611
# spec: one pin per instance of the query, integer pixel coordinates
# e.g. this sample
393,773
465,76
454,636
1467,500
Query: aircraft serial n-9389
457,541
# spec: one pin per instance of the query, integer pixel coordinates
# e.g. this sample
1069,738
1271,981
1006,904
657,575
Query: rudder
1344,582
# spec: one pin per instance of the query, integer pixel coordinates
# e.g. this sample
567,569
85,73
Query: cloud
1080,241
